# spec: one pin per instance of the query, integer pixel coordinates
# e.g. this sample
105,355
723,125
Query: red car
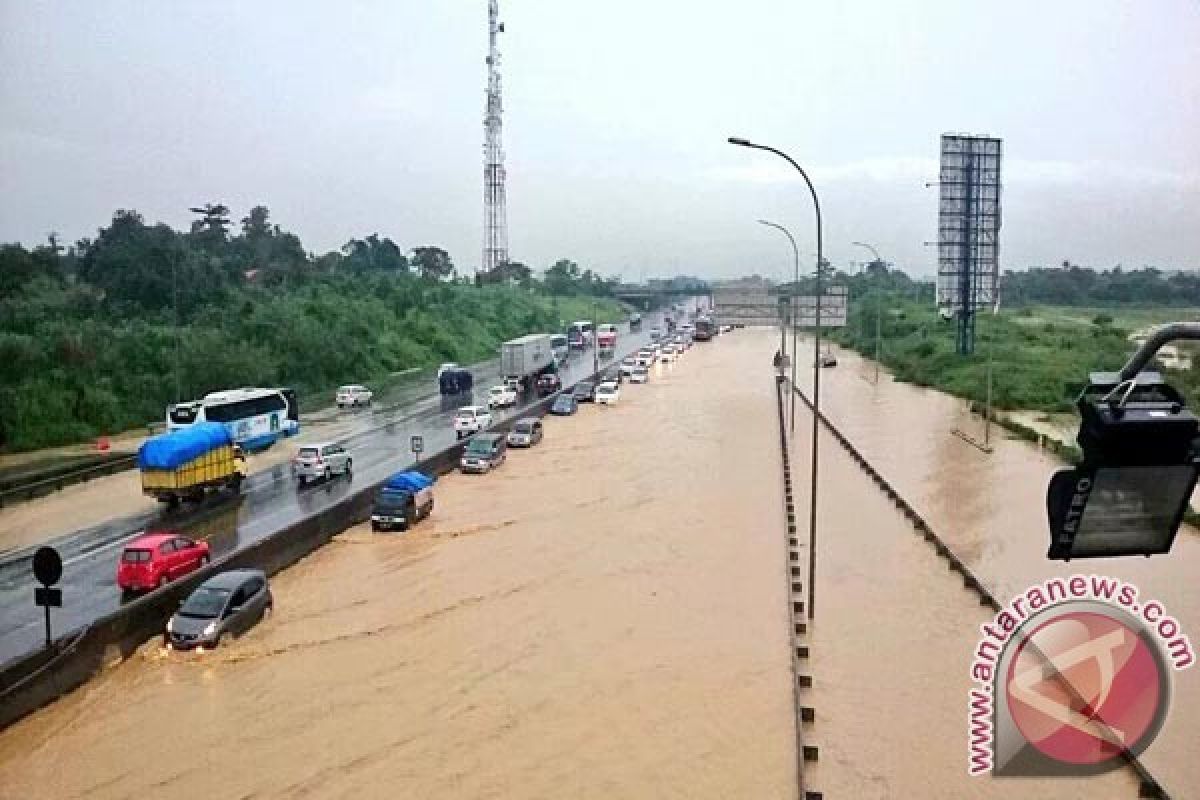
154,559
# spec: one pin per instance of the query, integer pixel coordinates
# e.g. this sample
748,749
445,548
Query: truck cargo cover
408,481
173,450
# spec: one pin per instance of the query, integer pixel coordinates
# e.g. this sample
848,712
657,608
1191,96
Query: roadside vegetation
1043,346
100,336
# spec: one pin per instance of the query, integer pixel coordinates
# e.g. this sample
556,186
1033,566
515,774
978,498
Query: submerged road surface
269,501
605,616
991,511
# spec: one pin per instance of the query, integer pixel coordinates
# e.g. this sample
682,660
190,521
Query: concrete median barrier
41,677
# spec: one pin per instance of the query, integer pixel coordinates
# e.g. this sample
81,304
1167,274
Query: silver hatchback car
227,604
316,461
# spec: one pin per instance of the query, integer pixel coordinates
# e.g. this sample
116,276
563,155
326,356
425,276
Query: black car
564,405
584,392
548,384
227,604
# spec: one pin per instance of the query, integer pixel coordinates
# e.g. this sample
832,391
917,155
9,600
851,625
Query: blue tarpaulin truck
405,498
186,463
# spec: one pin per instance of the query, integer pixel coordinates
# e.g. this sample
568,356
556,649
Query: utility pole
495,219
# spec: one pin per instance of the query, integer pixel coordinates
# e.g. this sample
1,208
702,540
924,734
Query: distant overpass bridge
646,296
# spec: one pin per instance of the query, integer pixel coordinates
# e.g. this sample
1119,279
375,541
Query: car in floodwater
227,604
526,432
626,369
564,405
584,392
404,499
608,393
483,453
639,375
156,558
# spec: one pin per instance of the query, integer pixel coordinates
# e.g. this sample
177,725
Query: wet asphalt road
269,501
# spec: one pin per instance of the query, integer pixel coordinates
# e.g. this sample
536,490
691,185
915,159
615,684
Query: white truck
527,357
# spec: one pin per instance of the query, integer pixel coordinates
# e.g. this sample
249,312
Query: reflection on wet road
605,616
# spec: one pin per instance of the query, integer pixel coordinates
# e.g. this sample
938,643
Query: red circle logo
1084,686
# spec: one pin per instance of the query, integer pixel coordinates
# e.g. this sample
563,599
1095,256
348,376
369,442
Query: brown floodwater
889,652
604,616
990,509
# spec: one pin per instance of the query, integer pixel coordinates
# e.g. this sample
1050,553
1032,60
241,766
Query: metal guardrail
41,486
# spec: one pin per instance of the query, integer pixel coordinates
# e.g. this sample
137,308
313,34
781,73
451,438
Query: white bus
255,418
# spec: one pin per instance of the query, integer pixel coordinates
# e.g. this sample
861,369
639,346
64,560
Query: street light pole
812,506
792,310
878,312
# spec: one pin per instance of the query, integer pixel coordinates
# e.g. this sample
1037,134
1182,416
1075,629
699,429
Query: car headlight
171,625
210,629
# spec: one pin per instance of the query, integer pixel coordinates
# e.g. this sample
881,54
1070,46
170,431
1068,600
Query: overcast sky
350,118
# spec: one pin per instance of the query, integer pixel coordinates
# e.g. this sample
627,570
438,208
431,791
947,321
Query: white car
501,397
608,393
471,419
644,358
627,369
668,355
513,383
639,375
353,395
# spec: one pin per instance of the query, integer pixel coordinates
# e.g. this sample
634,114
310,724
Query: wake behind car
227,604
406,498
526,432
483,453
321,461
156,558
471,419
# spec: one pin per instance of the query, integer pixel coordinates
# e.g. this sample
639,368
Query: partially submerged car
526,432
227,604
484,453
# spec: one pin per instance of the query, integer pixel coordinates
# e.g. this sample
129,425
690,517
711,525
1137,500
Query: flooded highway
604,616
990,509
269,501
889,653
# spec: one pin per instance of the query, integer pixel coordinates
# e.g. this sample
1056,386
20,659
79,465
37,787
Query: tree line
99,336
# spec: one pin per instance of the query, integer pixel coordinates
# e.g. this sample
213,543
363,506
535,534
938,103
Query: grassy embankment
86,373
1041,355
